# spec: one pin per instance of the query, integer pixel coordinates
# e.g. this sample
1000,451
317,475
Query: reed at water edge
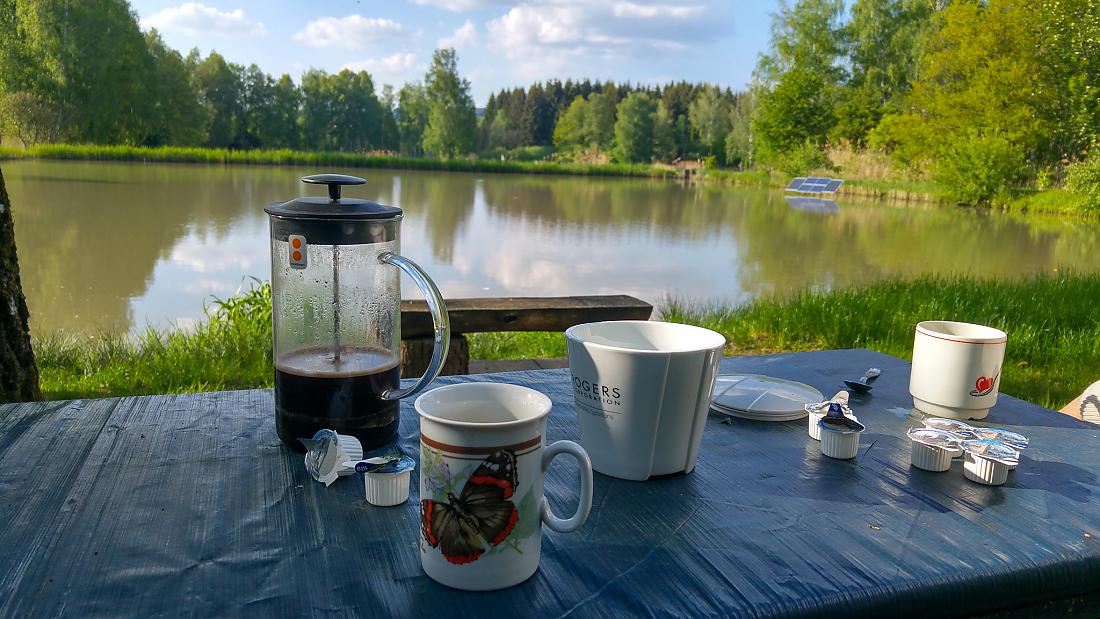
182,154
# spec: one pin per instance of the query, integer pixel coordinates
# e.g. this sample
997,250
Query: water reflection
113,245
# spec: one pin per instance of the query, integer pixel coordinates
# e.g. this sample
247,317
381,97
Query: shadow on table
1058,477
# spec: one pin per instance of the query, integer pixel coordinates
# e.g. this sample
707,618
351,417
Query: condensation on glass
336,302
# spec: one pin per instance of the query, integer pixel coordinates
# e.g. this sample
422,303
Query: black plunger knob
334,181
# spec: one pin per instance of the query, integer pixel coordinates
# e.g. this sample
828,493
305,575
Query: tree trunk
18,372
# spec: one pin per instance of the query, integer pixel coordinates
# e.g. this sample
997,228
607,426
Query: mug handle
439,317
571,524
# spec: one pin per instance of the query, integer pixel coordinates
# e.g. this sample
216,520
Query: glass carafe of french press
336,303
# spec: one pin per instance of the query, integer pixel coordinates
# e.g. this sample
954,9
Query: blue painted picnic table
189,505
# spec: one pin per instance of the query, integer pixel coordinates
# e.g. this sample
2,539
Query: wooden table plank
522,313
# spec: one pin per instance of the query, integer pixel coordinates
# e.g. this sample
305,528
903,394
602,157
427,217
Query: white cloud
197,18
656,11
351,32
465,35
458,5
541,37
393,65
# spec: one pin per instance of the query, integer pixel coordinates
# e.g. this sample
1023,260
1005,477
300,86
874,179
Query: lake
124,245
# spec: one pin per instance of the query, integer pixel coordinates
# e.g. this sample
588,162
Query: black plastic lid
333,207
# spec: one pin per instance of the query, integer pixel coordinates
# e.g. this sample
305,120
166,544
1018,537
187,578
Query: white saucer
762,398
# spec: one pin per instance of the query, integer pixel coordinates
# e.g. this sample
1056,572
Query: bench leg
416,352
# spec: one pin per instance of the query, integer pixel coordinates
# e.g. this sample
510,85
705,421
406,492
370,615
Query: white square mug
642,392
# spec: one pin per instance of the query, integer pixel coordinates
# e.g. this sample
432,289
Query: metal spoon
863,385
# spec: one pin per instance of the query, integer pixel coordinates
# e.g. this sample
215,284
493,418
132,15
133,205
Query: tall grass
177,154
231,349
1051,320
1053,350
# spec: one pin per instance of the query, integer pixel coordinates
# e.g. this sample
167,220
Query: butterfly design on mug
481,513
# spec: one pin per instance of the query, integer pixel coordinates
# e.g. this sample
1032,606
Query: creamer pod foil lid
390,463
1012,439
992,450
840,401
839,419
324,456
934,438
960,429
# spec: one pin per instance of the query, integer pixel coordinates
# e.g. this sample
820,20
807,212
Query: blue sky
500,43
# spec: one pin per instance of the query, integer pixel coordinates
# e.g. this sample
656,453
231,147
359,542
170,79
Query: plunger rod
336,304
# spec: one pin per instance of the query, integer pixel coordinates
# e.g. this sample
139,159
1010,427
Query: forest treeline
980,96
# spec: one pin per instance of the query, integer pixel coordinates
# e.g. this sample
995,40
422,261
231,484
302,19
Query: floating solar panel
811,205
815,184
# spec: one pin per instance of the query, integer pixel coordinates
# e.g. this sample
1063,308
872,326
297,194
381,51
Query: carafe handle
439,317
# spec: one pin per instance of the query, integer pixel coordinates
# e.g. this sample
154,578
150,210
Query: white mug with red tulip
956,368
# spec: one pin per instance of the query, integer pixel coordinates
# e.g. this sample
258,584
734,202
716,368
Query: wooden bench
503,314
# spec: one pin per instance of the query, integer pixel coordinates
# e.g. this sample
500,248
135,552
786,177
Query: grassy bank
174,154
1053,351
229,350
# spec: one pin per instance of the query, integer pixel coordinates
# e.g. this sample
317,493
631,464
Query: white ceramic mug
956,368
642,391
482,460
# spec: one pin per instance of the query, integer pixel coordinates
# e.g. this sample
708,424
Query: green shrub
805,159
975,168
1083,179
1046,178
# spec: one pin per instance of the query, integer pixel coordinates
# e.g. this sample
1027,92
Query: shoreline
1018,201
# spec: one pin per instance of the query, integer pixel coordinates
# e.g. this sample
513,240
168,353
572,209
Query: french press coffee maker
335,306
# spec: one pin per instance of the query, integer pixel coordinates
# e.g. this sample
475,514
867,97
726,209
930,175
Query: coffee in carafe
317,390
335,304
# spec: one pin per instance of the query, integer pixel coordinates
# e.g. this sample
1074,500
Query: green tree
739,141
87,59
599,124
664,134
886,39
499,130
709,115
221,89
634,128
538,117
412,117
258,108
799,109
318,113
1067,33
356,112
176,116
983,72
800,75
809,35
285,108
451,130
32,119
570,134
391,136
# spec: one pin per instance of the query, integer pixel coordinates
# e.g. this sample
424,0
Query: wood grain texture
522,313
189,505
